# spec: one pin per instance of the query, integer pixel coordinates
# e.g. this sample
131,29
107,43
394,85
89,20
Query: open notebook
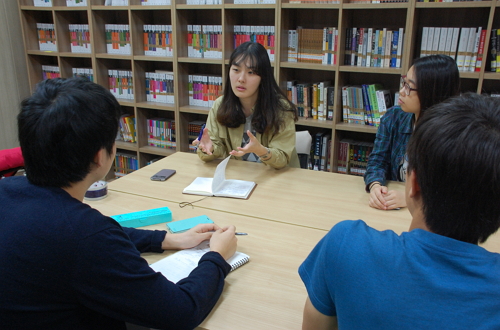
219,186
180,264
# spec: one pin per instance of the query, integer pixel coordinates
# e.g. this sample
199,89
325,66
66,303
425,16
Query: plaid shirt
390,146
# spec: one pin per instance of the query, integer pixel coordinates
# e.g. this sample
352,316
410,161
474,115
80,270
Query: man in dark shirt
63,264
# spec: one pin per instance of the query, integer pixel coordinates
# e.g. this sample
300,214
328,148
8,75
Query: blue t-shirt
374,279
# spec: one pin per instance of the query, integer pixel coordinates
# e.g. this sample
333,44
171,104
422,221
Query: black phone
163,175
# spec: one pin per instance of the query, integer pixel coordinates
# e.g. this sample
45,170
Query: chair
11,161
303,142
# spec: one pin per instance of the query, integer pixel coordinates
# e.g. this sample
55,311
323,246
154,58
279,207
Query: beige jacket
224,139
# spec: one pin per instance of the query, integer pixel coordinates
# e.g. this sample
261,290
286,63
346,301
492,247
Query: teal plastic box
144,218
186,224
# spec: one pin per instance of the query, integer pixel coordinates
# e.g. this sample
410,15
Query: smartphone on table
163,175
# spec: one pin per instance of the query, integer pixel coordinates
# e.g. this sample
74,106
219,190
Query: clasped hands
206,145
384,199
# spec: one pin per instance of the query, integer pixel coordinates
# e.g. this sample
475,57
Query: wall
13,72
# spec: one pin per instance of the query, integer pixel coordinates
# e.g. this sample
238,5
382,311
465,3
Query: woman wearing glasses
431,80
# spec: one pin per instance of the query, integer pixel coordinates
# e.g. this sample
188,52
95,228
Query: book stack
158,40
125,164
42,3
79,36
128,128
365,105
161,133
50,72
83,72
46,37
306,45
121,84
160,86
204,41
203,89
312,100
117,39
495,50
465,45
76,3
353,156
369,47
321,147
155,2
264,35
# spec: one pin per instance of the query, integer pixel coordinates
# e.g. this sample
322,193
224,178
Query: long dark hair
437,79
271,103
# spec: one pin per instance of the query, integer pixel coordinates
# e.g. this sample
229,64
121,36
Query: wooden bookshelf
283,15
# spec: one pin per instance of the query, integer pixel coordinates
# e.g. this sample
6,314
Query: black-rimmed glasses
406,86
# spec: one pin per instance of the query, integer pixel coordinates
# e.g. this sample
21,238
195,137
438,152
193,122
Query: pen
240,234
201,132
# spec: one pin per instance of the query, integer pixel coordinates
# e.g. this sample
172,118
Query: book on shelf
121,84
353,156
117,38
128,128
203,90
161,133
480,51
116,2
50,72
76,3
46,37
79,38
493,50
42,3
160,86
320,148
263,35
84,73
158,40
219,186
180,264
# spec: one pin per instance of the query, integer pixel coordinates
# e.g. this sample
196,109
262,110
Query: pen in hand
240,234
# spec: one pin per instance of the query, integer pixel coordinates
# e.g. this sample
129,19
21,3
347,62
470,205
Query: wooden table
266,293
290,195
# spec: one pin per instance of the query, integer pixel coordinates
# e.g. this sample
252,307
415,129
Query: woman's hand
190,238
252,146
205,144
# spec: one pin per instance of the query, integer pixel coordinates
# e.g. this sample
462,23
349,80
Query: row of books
495,50
46,37
158,40
69,3
121,84
204,41
194,128
447,0
264,35
316,1
161,133
465,45
79,36
203,89
353,157
125,164
312,100
50,72
116,2
84,73
376,1
160,86
117,39
155,2
128,128
369,47
366,104
313,45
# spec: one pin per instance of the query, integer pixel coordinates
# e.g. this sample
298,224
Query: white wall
13,73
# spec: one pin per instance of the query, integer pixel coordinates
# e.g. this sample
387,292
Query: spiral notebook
180,264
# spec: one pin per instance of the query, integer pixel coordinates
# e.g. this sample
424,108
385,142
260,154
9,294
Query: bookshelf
283,15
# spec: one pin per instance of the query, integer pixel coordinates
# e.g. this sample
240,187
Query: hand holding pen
205,143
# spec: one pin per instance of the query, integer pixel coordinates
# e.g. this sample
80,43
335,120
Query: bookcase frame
411,15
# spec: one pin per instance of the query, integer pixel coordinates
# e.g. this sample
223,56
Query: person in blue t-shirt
435,276
64,265
431,79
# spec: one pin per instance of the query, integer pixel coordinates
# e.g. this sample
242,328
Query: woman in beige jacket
253,121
